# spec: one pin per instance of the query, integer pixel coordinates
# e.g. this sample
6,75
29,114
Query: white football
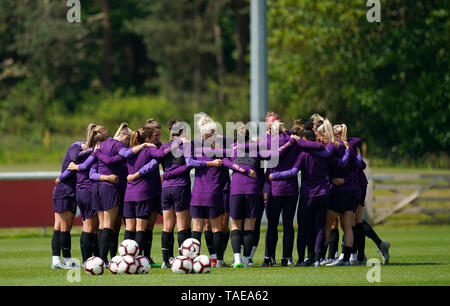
94,266
190,248
143,265
114,264
201,264
129,247
127,265
181,265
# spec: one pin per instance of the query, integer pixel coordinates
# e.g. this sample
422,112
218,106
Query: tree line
388,81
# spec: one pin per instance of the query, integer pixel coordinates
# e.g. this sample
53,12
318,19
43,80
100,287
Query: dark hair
309,134
139,136
176,127
309,125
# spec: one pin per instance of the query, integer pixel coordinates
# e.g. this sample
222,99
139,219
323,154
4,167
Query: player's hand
97,146
217,163
57,181
252,173
270,177
72,167
296,137
338,181
346,145
112,178
148,144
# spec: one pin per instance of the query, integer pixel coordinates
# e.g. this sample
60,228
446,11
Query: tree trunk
107,42
241,12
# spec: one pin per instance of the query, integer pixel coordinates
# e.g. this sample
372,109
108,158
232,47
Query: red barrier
28,203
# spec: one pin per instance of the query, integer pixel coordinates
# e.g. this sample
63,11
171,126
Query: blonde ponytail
326,129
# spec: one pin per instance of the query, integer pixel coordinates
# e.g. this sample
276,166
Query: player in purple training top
64,208
175,194
209,183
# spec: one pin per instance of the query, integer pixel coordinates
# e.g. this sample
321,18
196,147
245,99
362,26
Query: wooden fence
375,205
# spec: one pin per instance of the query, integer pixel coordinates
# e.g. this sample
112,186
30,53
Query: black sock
369,232
65,240
129,235
83,242
171,244
148,243
114,244
311,255
209,239
333,243
235,238
90,242
141,240
197,235
99,241
347,251
248,243
56,247
217,242
355,242
225,238
107,235
182,236
95,249
165,246
361,242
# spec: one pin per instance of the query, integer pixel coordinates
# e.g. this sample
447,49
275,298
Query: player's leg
149,237
273,211
56,246
288,214
109,219
216,220
236,238
257,230
167,237
209,239
66,219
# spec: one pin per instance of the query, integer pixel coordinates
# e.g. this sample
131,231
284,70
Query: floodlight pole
258,60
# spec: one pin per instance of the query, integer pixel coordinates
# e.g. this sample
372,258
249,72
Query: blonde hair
342,130
326,129
90,127
316,118
205,123
122,132
277,127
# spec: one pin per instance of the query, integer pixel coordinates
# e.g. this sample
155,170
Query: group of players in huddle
118,178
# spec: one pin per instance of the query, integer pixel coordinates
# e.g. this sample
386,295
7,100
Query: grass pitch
419,256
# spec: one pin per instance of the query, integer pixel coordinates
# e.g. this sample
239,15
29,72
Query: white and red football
190,248
143,265
181,265
94,266
129,247
114,264
127,265
202,264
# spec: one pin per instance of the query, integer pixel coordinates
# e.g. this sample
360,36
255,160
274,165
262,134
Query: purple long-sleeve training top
209,182
67,185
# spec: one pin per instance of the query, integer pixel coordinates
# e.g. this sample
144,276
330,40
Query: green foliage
388,81
130,60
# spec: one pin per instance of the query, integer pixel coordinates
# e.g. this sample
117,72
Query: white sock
237,258
213,256
253,252
246,261
55,260
68,261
